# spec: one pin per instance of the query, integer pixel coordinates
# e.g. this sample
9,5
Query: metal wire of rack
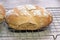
50,33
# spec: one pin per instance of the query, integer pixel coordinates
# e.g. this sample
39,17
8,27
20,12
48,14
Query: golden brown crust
2,13
26,18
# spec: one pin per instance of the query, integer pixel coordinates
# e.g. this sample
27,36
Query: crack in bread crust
25,26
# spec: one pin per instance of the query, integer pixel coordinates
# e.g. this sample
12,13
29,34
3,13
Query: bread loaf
2,13
28,17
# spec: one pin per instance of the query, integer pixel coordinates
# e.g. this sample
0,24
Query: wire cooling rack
50,33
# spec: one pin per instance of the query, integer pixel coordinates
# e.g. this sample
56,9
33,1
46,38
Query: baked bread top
26,14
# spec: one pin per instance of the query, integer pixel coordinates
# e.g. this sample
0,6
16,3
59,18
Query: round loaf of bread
2,13
28,17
